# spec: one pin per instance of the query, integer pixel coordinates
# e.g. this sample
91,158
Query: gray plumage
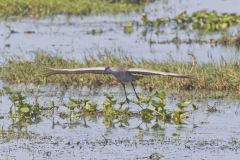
124,76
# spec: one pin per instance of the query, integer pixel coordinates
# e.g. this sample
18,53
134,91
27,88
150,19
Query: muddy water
206,135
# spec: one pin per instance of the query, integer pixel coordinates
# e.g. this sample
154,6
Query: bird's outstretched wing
95,70
153,72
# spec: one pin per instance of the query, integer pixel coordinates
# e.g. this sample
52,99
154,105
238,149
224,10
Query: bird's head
107,69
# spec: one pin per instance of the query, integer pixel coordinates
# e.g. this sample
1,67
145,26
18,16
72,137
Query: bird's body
123,76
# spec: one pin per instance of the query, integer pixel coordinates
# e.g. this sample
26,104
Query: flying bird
123,76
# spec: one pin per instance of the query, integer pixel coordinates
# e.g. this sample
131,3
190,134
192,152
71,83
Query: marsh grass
210,77
42,8
230,40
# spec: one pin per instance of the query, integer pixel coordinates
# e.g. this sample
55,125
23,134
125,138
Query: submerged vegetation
41,8
211,77
200,20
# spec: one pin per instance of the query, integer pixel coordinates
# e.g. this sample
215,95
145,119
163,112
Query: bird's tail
50,71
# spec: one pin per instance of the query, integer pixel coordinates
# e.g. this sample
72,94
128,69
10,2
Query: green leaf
175,134
110,97
126,110
160,95
144,99
75,101
91,107
157,127
184,104
223,26
128,28
25,109
158,104
183,14
147,115
85,100
162,20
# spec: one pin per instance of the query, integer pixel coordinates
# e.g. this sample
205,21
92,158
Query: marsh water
71,37
207,134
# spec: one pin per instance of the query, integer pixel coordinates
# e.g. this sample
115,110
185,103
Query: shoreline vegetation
210,79
43,8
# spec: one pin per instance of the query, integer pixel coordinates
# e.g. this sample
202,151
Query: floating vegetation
22,112
41,8
152,109
128,28
95,31
201,20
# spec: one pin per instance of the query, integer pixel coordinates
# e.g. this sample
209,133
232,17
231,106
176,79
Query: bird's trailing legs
135,91
125,93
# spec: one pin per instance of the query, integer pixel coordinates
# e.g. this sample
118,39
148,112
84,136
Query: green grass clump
41,8
210,77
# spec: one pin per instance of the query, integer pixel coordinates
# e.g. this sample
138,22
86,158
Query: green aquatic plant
212,21
22,112
201,20
128,28
108,104
156,109
81,105
157,22
152,110
118,112
95,31
183,105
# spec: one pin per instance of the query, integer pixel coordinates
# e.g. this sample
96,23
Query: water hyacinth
200,20
150,109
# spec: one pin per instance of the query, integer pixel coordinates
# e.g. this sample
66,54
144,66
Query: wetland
86,116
